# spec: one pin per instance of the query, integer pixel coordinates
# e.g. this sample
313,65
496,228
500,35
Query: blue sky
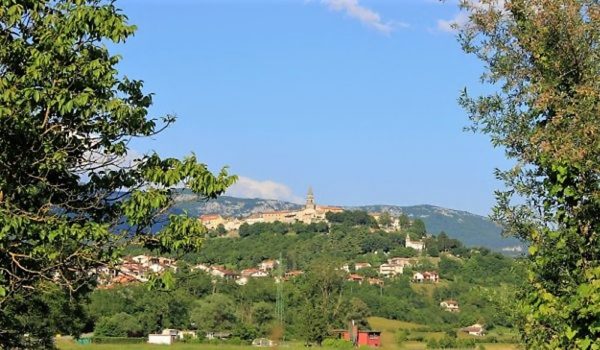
356,98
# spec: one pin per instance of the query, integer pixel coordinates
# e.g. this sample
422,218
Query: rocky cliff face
231,206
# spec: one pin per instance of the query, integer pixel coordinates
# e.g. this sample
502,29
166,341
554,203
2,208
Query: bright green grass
67,344
387,327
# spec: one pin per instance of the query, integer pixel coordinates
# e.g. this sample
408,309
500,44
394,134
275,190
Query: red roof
248,272
294,273
355,277
277,212
209,217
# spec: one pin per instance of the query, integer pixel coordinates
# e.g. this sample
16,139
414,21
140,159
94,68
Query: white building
361,265
416,245
418,277
163,339
390,270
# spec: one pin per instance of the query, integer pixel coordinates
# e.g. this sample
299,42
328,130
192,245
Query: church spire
310,199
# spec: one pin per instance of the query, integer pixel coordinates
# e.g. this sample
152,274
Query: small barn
361,337
164,339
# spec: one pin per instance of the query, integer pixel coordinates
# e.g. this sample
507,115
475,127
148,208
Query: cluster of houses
393,267
133,269
140,267
264,269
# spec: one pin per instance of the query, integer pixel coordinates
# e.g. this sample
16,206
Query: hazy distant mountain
231,206
471,229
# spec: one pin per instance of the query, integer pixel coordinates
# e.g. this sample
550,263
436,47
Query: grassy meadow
387,327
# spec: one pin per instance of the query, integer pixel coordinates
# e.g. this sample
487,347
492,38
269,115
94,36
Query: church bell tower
310,200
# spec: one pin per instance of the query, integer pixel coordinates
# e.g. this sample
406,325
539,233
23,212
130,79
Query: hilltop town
310,213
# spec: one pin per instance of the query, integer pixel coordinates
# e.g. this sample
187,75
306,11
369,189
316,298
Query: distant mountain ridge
471,229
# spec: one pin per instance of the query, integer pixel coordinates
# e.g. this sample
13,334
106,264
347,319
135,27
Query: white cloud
449,26
462,18
249,188
368,17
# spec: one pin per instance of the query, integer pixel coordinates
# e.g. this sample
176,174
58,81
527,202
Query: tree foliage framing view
544,55
69,194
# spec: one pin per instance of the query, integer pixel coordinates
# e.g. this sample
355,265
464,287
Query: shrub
432,344
337,344
118,340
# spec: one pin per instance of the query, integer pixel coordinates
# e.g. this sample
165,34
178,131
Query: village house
254,272
285,216
118,280
221,272
160,264
427,276
450,305
431,276
212,221
355,278
201,267
361,265
375,282
418,277
416,245
395,266
268,265
390,270
254,219
476,330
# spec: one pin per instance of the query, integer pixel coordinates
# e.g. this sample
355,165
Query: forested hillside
471,229
322,286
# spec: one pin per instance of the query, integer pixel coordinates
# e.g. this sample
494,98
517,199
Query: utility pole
279,304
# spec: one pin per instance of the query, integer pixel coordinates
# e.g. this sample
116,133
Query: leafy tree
221,230
417,227
262,313
404,252
358,311
544,57
118,325
403,221
352,218
449,267
70,190
313,323
215,312
385,220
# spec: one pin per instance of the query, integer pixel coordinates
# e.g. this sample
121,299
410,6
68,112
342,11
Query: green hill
471,229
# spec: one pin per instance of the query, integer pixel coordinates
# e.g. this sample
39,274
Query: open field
67,344
387,327
70,345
